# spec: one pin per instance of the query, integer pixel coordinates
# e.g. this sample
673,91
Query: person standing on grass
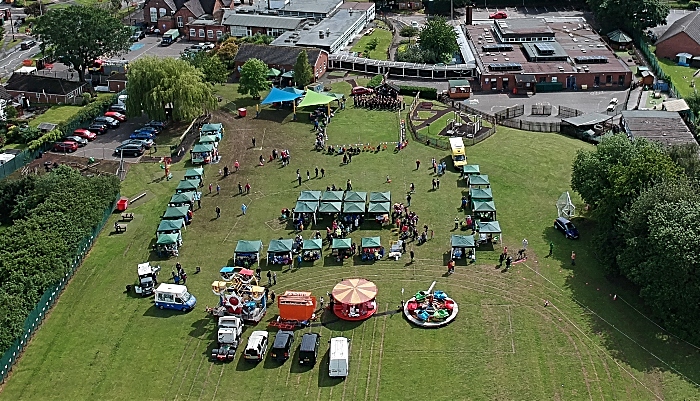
210,186
308,175
408,199
434,183
456,223
437,182
247,188
218,212
316,170
199,203
573,258
417,164
413,188
244,208
525,243
323,172
269,278
225,171
240,189
253,141
299,179
551,248
413,255
236,165
272,296
274,278
218,189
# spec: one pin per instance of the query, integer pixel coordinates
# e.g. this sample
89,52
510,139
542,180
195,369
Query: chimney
470,15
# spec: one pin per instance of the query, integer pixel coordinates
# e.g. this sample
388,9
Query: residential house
282,58
42,89
683,36
206,29
116,82
240,25
178,14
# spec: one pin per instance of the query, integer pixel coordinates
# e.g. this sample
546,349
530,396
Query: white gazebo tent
565,208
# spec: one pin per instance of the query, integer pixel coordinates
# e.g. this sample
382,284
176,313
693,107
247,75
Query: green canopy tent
353,207
380,196
306,207
332,196
489,230
459,244
289,74
186,186
168,239
309,196
352,196
273,73
481,194
175,213
202,153
182,199
170,226
371,249
212,129
312,244
312,98
194,174
212,139
247,253
478,181
279,252
484,209
379,207
341,243
371,242
168,244
471,169
330,207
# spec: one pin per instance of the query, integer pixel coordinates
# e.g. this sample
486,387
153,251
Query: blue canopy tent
279,96
291,89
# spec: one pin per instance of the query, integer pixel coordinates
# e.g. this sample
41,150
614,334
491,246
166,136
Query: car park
120,108
257,346
65,146
116,115
282,345
498,15
74,138
98,128
84,133
308,350
109,121
138,35
133,149
142,135
147,143
361,90
565,226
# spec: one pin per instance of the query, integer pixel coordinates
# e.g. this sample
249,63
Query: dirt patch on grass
38,166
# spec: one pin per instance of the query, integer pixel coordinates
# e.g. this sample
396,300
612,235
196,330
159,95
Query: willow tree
157,85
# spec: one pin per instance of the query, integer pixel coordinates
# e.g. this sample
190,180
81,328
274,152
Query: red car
83,133
499,15
360,90
116,115
66,146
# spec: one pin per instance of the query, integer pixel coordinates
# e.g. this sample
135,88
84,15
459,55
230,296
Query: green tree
209,64
115,5
693,102
253,78
78,35
227,51
630,15
610,177
686,156
155,83
372,44
438,40
408,31
303,73
661,232
33,9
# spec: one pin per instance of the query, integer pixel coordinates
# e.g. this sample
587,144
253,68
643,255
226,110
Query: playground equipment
239,295
296,310
165,165
430,309
463,125
354,299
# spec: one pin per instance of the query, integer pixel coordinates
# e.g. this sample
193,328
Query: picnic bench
127,216
119,228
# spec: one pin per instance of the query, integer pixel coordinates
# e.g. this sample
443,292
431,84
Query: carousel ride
239,295
431,308
354,299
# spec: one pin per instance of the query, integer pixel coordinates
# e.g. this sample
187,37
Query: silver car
147,143
80,141
109,121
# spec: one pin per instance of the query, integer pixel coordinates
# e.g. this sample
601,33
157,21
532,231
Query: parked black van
308,350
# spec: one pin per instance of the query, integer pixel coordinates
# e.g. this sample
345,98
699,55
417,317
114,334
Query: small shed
332,196
247,253
478,181
459,89
459,245
619,40
279,252
647,78
353,196
186,186
684,59
482,194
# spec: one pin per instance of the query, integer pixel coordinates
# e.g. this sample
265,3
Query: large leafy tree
631,15
303,73
227,51
78,35
156,83
610,177
686,156
438,40
209,64
253,78
661,232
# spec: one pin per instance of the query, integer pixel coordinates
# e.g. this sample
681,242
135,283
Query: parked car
152,130
138,35
564,225
27,44
98,128
109,121
257,346
208,46
84,133
147,143
156,124
361,90
65,146
282,345
308,350
134,149
142,135
499,15
74,138
116,115
120,108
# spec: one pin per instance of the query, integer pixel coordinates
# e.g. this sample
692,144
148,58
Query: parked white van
339,364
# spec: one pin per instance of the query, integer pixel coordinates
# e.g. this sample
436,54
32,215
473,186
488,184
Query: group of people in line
374,101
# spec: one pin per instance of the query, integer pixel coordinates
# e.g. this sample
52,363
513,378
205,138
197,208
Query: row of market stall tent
483,210
347,202
178,214
205,149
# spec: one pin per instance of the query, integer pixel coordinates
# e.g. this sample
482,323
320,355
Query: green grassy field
383,36
100,343
681,76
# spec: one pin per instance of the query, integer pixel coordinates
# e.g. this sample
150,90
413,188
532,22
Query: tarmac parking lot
150,45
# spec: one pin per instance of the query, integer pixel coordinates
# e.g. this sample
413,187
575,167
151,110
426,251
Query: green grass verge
383,36
503,345
681,76
55,114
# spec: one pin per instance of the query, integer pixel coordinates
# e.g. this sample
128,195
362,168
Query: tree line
645,199
45,218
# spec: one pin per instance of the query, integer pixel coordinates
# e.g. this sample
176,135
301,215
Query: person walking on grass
269,278
308,175
323,172
437,183
408,199
218,212
210,187
417,164
274,278
299,179
253,141
456,223
573,258
240,189
551,248
247,188
413,255
316,171
236,165
244,208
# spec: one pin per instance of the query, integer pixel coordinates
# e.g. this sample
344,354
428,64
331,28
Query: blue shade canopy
278,95
293,90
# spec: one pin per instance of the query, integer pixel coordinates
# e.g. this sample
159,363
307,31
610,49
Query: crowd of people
375,101
407,223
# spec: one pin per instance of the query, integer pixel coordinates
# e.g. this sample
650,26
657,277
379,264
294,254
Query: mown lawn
682,77
55,114
100,343
380,53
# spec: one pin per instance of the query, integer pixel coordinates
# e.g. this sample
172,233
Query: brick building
41,89
179,14
239,25
282,57
683,36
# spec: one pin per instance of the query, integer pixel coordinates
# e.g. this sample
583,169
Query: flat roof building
240,25
315,9
331,34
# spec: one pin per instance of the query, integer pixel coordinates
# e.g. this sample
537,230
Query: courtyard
102,343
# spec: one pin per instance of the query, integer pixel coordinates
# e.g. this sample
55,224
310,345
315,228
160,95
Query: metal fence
568,112
22,159
541,110
36,317
536,126
510,112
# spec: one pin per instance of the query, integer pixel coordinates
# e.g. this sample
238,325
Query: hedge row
425,92
375,81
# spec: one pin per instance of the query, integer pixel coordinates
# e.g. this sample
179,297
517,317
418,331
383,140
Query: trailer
147,279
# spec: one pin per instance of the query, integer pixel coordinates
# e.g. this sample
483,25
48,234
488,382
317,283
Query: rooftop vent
320,34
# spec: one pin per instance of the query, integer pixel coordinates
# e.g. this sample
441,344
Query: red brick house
683,36
282,58
179,14
42,89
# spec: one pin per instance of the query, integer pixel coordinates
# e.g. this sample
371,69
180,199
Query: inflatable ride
431,308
